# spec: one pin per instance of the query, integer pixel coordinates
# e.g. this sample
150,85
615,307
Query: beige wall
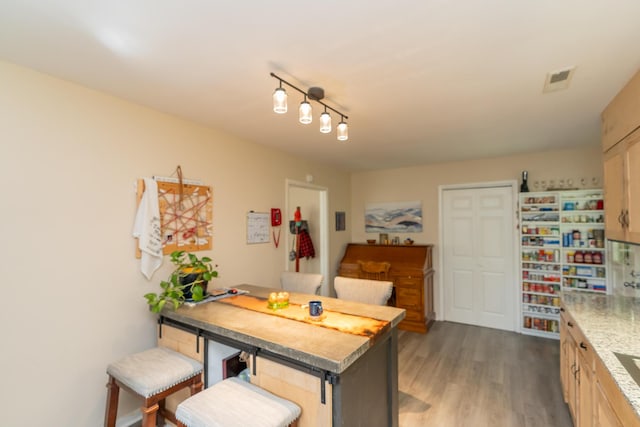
423,182
71,287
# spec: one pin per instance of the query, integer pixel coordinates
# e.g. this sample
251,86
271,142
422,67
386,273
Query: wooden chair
305,283
238,403
153,375
374,270
368,291
377,271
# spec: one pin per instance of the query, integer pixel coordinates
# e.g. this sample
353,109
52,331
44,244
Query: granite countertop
312,344
611,324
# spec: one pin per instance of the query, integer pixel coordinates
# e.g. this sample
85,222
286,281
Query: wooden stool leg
149,415
196,386
111,411
160,414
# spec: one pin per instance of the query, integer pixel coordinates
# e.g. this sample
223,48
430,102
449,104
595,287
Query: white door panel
493,301
462,290
461,229
479,279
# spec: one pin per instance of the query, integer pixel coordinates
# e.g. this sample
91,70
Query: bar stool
306,283
153,375
236,403
375,292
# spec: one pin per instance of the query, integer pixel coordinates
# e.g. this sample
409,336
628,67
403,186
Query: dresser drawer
408,282
413,315
408,298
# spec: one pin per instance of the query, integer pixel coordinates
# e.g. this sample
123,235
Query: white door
478,249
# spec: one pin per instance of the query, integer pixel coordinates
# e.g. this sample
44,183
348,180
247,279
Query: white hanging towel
147,229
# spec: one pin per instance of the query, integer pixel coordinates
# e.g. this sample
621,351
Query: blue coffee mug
315,308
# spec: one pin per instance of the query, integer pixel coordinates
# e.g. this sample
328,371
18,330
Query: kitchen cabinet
621,147
576,360
622,116
603,414
622,189
611,407
411,273
585,384
567,365
597,393
562,248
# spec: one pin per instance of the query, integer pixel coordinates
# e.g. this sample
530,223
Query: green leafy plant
189,279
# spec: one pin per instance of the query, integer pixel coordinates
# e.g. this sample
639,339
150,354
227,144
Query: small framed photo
340,221
384,239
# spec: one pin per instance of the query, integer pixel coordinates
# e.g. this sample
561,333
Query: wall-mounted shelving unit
561,249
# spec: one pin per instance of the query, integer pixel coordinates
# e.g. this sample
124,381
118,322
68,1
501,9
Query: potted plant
188,280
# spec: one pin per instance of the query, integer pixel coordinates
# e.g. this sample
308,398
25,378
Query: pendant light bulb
304,111
342,130
325,122
280,100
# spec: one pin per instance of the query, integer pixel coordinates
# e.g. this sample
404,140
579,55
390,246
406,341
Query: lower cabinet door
603,415
585,401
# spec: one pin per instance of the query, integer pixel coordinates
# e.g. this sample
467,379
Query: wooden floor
460,375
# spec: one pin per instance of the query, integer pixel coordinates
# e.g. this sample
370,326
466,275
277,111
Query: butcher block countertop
344,333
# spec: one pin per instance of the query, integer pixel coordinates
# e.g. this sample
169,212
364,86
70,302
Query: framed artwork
393,217
340,221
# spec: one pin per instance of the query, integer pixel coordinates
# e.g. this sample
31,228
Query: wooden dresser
412,275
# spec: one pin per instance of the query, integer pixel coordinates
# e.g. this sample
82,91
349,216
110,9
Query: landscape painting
395,217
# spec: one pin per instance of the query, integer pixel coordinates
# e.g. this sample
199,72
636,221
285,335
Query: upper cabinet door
622,115
621,146
632,165
622,190
614,193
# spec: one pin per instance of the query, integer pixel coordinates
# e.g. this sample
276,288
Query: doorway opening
313,203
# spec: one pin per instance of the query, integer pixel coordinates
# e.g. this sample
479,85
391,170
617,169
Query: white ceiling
421,81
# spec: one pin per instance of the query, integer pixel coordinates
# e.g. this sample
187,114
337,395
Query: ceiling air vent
558,80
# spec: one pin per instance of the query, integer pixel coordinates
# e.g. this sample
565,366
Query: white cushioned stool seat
153,371
306,283
153,375
367,291
233,402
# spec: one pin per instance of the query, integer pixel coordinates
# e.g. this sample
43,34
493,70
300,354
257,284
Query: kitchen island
341,369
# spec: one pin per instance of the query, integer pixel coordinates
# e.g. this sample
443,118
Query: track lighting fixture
342,130
305,116
325,122
305,111
280,100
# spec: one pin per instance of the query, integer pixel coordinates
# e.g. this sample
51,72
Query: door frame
513,184
323,197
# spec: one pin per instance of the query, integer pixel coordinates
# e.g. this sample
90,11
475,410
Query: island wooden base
366,393
296,386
